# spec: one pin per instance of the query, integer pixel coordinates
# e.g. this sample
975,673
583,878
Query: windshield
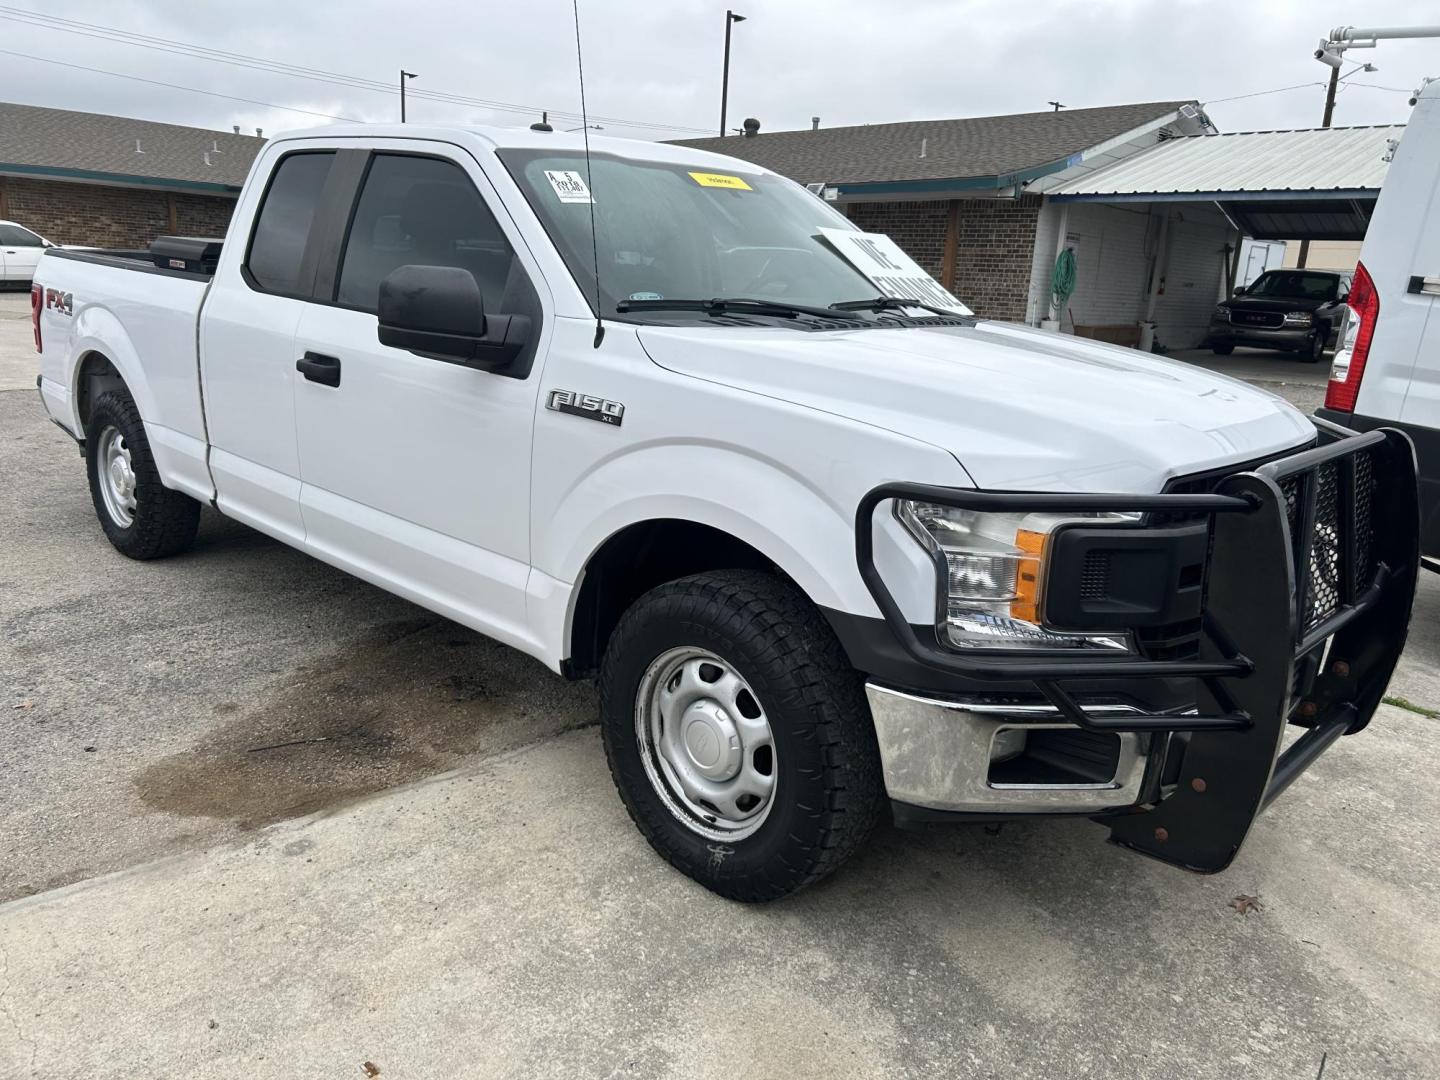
1295,284
670,232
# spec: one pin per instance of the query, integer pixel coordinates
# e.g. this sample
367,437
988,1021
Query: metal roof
1310,163
987,147
66,145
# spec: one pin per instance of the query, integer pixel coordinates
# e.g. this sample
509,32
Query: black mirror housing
438,312
1239,290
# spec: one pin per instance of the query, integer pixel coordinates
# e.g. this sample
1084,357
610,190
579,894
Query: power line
1377,86
1262,93
356,82
174,86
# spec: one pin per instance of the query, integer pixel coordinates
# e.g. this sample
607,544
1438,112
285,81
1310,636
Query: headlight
995,566
1300,317
1220,312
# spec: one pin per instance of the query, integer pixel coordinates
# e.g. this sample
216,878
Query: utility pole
404,75
730,19
1304,255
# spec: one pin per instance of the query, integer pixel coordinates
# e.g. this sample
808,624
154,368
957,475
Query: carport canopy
1310,184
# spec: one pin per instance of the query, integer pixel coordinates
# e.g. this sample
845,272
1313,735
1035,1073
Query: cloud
846,61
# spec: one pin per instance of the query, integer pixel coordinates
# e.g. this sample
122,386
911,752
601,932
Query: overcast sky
658,61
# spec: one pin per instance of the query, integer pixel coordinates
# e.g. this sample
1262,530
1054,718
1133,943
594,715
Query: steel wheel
706,743
117,477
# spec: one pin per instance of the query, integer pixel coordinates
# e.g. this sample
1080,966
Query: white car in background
19,253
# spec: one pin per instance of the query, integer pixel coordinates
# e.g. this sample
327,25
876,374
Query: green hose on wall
1062,282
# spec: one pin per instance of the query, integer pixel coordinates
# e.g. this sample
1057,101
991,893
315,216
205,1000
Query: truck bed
188,256
104,310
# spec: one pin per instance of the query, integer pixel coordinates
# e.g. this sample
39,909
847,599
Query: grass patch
1410,706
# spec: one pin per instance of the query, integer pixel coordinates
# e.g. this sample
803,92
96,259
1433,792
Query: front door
20,251
416,472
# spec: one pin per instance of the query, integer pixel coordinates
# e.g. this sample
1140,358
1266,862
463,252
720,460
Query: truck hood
1021,409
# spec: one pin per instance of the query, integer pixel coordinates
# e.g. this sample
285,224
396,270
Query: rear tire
739,663
141,516
1222,350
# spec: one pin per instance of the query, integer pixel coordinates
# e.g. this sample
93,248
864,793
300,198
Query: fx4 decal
591,408
64,303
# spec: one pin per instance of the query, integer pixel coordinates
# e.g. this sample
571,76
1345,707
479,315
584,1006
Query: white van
1387,361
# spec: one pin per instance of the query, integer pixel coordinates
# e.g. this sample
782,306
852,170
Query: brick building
963,198
110,181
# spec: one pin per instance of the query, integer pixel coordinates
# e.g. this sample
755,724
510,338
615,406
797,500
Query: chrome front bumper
937,754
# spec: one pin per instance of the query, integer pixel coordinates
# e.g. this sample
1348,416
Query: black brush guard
1317,547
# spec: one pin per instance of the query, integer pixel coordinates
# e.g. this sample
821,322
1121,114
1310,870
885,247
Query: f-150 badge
586,405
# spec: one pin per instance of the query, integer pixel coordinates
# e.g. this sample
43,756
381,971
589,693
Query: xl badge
591,408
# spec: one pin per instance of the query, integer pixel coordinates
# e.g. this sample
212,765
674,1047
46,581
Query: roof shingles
59,141
981,146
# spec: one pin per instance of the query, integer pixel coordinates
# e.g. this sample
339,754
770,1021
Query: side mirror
1343,298
1239,290
438,312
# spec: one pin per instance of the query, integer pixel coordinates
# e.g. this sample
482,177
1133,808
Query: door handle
317,367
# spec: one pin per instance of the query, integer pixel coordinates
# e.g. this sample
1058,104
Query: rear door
247,337
416,472
1401,254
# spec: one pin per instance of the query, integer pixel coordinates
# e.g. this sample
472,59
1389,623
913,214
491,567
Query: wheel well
637,559
97,375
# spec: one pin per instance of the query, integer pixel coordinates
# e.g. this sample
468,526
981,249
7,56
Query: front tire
738,735
1315,348
1222,350
141,517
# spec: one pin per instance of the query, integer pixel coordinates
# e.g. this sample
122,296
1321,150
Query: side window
426,212
283,224
15,236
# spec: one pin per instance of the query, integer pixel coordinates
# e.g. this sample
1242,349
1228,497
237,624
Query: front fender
805,528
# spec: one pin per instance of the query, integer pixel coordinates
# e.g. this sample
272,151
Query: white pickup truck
837,556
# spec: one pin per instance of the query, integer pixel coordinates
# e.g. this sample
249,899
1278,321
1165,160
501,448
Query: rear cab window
282,225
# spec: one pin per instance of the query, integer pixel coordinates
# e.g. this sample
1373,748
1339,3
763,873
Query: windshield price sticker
569,185
889,269
720,180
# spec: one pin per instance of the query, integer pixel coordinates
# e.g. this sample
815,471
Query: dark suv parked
1293,310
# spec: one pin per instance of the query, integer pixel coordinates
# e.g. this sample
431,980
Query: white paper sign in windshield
569,185
889,269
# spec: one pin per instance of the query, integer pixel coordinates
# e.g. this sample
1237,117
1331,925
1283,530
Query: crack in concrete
9,1012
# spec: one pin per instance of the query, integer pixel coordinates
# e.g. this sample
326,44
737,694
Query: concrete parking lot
262,819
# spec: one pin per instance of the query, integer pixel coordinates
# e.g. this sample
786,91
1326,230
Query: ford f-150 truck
837,550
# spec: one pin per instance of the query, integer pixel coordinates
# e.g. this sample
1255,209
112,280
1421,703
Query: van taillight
1353,348
37,301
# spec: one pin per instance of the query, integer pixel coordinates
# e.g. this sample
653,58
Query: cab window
422,211
282,226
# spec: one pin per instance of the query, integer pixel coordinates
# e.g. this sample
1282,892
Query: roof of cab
524,138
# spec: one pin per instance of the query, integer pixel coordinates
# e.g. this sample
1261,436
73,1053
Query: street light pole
730,19
404,75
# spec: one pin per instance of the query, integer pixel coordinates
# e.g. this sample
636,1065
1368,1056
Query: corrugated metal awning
1319,163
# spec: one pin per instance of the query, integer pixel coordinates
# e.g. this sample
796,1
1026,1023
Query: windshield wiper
894,303
735,306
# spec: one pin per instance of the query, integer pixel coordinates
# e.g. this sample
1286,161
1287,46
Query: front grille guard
1318,546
